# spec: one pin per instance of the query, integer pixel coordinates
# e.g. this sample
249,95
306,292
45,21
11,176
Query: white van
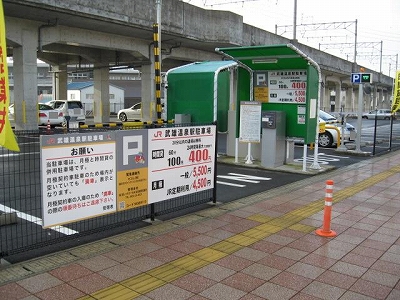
75,109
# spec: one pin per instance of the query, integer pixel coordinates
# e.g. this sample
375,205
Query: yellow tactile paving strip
157,277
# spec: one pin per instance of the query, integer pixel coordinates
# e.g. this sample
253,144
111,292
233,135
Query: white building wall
86,96
74,95
117,96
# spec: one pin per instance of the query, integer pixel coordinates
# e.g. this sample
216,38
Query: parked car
11,112
75,109
132,113
48,115
383,114
11,115
330,136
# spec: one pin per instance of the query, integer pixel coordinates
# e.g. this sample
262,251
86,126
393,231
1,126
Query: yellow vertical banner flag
396,93
7,137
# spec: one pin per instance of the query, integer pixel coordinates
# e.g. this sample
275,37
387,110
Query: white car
11,112
48,115
133,113
384,114
75,109
330,136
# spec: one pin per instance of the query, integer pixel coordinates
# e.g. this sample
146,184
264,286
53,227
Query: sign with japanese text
261,86
287,86
132,161
181,161
250,122
78,177
85,175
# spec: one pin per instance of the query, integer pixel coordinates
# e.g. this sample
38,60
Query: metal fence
21,203
385,137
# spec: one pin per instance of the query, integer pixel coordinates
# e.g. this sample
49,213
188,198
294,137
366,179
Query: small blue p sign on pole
355,77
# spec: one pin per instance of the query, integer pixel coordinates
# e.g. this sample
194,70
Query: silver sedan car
383,114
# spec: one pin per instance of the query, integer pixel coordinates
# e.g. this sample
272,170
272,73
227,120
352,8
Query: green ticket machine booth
283,79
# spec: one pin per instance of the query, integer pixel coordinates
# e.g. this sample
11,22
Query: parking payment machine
273,138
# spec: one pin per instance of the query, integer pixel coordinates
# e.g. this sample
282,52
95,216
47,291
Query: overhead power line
229,2
317,26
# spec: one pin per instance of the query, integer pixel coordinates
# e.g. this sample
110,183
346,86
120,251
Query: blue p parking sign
355,78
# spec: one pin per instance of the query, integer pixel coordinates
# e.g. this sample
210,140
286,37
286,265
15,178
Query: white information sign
287,86
78,177
88,175
250,122
180,161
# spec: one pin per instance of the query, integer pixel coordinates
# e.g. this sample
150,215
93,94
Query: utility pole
355,47
158,5
294,20
158,59
380,63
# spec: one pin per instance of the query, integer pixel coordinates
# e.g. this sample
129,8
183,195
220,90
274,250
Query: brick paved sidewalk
260,247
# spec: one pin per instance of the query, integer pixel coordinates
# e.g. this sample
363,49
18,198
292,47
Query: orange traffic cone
326,226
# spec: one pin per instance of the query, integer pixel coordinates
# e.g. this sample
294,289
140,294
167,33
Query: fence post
326,226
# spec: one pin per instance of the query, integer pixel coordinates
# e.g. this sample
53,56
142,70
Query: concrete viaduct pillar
326,101
101,101
148,93
330,102
368,103
25,81
338,100
349,102
60,82
380,98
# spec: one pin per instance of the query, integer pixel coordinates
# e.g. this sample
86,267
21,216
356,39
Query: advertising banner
396,93
7,137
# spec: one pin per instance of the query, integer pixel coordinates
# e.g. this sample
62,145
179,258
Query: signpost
250,125
360,79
